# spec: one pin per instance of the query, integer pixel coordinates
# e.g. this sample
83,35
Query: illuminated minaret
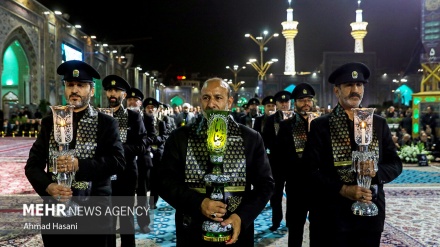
359,30
289,32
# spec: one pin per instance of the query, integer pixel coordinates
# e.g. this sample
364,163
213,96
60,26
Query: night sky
190,36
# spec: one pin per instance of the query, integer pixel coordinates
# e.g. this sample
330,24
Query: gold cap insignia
354,74
113,82
75,73
271,100
151,102
304,91
133,94
283,96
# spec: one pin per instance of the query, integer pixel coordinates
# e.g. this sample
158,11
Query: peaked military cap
150,101
135,93
303,90
350,72
166,106
268,100
282,96
254,101
75,70
114,81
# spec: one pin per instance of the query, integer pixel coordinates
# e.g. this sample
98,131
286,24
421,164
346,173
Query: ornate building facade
33,42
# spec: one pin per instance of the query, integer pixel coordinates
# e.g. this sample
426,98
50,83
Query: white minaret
289,32
359,30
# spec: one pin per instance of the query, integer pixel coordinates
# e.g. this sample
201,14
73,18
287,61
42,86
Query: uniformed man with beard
156,142
133,136
186,161
249,118
99,153
134,100
144,163
270,131
270,108
168,117
333,183
292,137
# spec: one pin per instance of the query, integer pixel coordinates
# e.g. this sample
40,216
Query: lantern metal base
214,232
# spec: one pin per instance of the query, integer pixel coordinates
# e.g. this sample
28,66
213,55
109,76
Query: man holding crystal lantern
329,154
98,155
186,163
290,143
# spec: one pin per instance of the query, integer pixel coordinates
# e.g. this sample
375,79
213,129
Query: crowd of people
403,134
22,121
148,146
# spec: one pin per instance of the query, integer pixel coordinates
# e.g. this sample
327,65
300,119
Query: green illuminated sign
417,100
430,99
416,128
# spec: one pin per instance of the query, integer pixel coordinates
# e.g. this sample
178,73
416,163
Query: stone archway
9,100
20,36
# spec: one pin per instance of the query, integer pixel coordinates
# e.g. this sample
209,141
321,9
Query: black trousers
154,195
89,229
144,168
321,238
276,201
296,216
57,240
123,193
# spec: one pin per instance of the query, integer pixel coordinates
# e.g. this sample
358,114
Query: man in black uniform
429,118
239,112
156,142
328,153
98,155
270,107
252,113
144,163
270,132
186,161
167,117
134,100
292,137
133,137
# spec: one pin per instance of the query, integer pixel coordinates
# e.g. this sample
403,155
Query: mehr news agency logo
41,209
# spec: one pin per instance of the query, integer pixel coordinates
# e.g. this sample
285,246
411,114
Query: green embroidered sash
299,133
278,117
121,115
